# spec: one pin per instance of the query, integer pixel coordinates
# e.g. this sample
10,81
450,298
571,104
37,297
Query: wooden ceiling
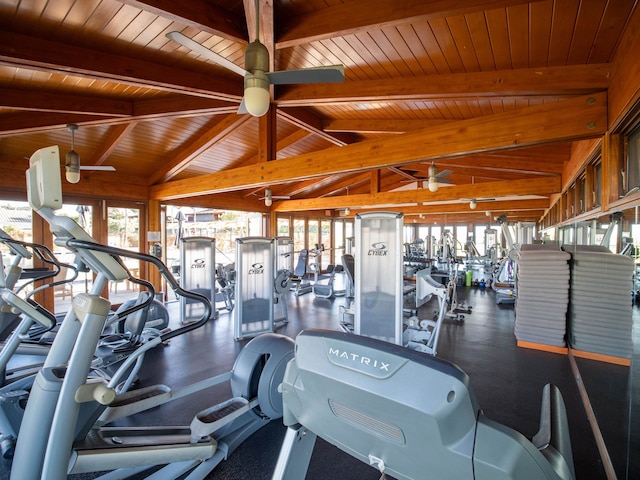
494,91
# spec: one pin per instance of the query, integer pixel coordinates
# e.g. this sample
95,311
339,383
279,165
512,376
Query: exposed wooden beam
492,206
361,15
546,81
29,51
43,101
219,129
404,174
582,117
349,182
267,136
311,185
231,201
200,14
477,218
16,123
180,105
477,165
307,120
542,186
114,137
386,125
265,25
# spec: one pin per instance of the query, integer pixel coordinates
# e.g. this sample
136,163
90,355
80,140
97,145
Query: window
633,160
298,234
283,227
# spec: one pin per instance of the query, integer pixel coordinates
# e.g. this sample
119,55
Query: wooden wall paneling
624,90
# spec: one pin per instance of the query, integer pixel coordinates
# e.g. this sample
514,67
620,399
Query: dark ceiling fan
257,77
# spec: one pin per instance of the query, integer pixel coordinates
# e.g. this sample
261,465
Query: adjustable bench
409,415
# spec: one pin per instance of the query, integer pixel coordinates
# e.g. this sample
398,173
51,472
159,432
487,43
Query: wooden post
153,225
612,186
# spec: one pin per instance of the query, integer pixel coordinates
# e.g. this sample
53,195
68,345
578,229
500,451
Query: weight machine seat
301,267
408,414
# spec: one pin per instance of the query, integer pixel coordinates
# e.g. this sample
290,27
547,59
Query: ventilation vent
367,423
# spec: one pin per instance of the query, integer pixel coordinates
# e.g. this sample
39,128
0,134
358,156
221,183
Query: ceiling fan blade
443,173
444,180
328,74
102,168
205,52
242,109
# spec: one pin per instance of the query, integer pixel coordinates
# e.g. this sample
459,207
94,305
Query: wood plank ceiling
495,91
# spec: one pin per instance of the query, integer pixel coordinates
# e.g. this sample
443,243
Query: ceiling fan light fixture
72,167
268,197
257,97
473,204
433,184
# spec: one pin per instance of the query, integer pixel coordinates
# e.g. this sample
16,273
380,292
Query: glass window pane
283,227
298,234
325,240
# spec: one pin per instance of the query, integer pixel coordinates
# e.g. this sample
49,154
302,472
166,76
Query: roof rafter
581,117
218,130
547,81
116,134
413,197
24,50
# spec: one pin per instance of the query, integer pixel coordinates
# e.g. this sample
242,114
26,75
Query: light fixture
72,159
268,197
473,204
433,184
347,211
256,94
487,213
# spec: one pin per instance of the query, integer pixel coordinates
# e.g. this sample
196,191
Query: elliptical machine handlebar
164,271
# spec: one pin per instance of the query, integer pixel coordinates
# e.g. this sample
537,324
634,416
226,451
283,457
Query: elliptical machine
65,430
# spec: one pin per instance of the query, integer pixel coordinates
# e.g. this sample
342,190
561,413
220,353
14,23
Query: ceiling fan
257,77
435,177
473,202
72,160
269,196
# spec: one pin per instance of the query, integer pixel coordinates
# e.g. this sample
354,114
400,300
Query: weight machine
198,261
258,287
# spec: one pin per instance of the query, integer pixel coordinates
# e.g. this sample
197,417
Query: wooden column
612,186
154,224
375,181
41,234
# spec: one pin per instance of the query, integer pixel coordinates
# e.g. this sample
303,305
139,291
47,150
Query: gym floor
507,381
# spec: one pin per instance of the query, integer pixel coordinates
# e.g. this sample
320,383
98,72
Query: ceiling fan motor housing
256,57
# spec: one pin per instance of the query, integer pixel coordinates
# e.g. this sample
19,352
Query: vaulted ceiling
494,91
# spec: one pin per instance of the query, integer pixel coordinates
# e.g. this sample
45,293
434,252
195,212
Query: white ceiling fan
269,196
473,202
435,177
257,77
72,160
